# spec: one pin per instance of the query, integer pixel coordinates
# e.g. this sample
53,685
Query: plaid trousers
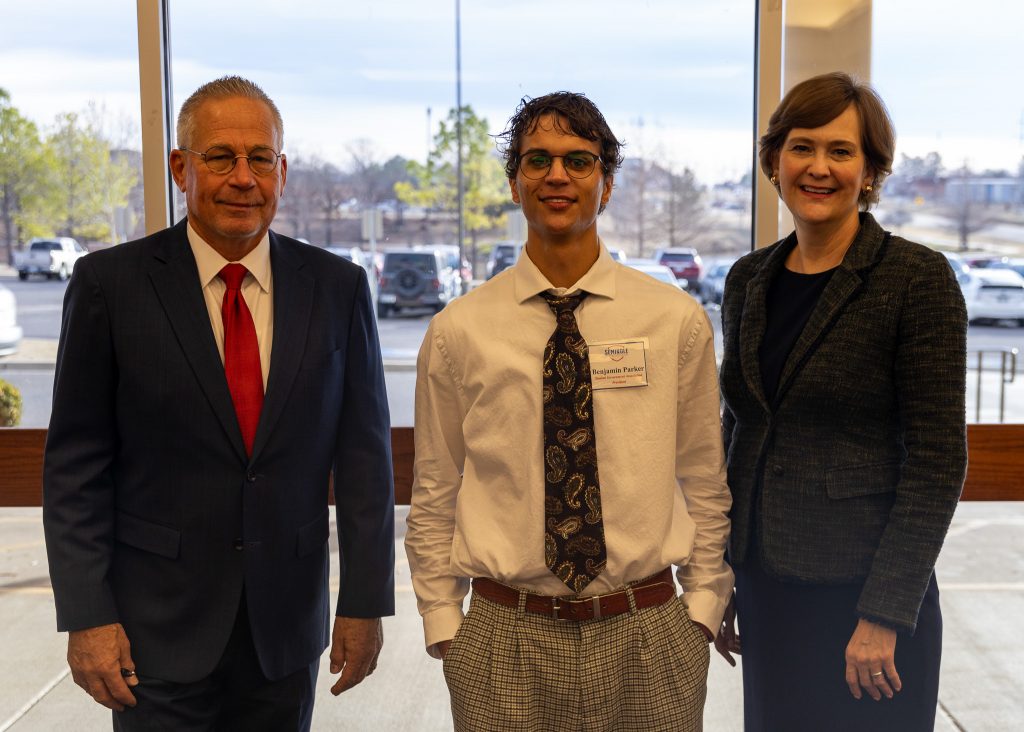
512,671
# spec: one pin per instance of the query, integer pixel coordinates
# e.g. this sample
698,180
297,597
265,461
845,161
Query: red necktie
241,354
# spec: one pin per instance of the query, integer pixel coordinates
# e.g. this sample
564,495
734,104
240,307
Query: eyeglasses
222,160
577,164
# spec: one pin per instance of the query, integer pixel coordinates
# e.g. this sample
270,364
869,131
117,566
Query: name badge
618,364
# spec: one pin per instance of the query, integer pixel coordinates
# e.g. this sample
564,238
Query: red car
684,262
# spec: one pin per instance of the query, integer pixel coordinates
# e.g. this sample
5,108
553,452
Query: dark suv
415,279
503,255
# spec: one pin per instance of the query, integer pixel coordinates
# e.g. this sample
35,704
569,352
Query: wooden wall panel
995,471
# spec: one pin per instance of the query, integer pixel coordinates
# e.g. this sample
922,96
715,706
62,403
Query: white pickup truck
52,258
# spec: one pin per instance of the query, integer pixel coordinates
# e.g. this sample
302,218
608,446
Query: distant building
1003,191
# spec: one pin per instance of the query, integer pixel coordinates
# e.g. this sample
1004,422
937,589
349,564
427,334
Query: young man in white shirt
568,453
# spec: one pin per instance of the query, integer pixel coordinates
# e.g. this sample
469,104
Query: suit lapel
842,285
845,282
754,318
175,278
293,303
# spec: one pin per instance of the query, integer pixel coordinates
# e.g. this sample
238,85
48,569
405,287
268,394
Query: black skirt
794,641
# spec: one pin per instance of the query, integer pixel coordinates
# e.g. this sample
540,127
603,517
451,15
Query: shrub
10,404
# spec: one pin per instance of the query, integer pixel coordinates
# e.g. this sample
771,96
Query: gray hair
222,88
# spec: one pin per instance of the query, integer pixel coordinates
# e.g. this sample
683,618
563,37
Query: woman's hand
727,641
871,661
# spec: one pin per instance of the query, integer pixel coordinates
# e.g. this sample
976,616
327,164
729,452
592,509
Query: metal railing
1007,369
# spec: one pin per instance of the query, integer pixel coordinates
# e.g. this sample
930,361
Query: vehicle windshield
421,262
676,257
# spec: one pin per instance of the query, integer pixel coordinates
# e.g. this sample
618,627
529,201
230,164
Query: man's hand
96,657
871,661
355,645
442,648
727,641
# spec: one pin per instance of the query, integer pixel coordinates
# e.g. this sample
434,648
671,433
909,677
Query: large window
368,96
958,174
958,182
69,164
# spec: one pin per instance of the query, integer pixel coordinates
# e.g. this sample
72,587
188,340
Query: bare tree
655,206
967,215
329,192
299,203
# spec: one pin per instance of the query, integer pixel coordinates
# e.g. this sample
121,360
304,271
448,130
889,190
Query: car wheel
63,274
22,276
383,311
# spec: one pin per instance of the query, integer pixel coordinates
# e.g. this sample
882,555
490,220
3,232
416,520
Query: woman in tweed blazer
843,385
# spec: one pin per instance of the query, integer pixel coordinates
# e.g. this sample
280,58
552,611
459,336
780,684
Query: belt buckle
595,604
555,607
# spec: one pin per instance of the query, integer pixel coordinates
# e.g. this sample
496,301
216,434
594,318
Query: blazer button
239,545
251,476
778,470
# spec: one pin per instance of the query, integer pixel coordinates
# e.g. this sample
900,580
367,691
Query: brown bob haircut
819,100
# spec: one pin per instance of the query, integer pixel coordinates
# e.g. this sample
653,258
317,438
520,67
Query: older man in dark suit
210,378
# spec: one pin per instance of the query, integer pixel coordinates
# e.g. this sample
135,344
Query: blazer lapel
754,318
176,281
845,282
293,303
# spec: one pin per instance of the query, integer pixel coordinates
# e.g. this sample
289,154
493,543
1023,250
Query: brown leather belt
654,590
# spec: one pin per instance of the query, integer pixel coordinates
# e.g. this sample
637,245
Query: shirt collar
598,280
210,262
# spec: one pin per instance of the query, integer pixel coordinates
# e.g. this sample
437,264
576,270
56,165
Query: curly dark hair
574,114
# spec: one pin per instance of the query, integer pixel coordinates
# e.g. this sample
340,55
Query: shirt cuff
441,625
706,608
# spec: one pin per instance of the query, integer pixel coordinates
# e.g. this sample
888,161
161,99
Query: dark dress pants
235,696
794,641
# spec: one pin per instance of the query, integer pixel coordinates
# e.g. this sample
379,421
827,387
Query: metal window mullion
155,98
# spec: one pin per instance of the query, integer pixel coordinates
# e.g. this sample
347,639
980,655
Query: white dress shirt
478,488
257,291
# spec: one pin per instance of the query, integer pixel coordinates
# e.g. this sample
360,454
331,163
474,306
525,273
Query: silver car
10,331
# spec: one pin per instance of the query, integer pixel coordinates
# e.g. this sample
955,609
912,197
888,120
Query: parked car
503,255
1017,265
461,271
415,279
961,269
994,295
10,331
658,271
354,255
52,258
684,262
712,284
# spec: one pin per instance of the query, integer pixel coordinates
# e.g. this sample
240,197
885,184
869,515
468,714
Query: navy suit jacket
154,515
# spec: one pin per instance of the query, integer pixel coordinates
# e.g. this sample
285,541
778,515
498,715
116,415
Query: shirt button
239,545
778,470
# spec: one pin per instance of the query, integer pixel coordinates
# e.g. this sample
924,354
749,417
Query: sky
673,77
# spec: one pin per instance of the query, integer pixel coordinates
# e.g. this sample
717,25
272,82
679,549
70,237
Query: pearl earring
774,179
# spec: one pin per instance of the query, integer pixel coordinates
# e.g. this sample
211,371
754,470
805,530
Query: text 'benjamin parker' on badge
618,364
